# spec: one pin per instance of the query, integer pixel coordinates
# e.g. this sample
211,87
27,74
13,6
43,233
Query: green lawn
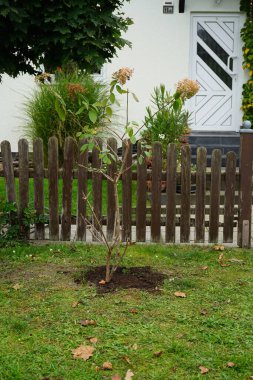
212,326
74,193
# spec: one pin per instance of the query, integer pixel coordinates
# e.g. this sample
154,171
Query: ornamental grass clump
54,108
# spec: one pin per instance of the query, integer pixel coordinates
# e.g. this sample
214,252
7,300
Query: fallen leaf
107,366
129,375
126,358
218,247
135,346
180,294
75,304
237,261
158,354
203,312
87,322
224,265
133,311
203,370
205,267
102,282
17,286
116,377
83,352
93,340
230,364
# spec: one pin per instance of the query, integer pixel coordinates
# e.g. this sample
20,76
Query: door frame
237,82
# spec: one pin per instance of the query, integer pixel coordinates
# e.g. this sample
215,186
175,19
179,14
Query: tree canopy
51,33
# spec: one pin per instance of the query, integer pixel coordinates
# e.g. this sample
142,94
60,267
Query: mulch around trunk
143,278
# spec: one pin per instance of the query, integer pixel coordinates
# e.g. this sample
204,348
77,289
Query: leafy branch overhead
55,32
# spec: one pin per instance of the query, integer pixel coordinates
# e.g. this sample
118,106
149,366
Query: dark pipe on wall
181,6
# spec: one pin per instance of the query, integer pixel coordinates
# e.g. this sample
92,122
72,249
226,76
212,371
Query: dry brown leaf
218,247
83,352
116,377
126,358
224,265
237,261
75,304
203,370
129,375
180,294
205,267
87,322
135,346
158,354
203,312
107,366
133,311
102,282
230,364
17,286
93,340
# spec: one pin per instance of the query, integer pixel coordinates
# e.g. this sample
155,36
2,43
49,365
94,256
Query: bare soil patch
143,278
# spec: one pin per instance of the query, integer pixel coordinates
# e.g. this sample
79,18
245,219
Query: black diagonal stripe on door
214,66
212,44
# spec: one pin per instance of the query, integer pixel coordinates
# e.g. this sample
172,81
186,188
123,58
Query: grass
212,326
74,193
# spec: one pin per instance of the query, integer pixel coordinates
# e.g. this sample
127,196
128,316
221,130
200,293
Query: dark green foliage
10,231
54,32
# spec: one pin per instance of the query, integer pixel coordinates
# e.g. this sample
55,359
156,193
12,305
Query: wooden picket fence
201,205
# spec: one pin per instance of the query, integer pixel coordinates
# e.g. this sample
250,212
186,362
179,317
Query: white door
216,59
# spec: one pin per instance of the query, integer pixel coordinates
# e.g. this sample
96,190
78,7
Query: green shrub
45,110
168,121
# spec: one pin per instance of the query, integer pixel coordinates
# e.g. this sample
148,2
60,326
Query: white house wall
160,54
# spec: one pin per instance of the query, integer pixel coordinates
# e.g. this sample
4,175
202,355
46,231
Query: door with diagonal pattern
215,52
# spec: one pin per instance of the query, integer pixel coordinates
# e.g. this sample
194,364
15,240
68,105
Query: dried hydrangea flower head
187,88
123,74
75,89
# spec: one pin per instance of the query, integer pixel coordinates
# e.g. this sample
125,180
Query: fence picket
156,192
111,209
171,193
215,196
245,191
97,191
23,167
141,197
81,193
67,179
38,162
229,198
200,196
53,157
127,191
185,194
8,171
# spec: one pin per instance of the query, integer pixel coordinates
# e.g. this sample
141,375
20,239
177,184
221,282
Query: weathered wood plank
8,171
111,209
67,179
127,192
97,190
53,169
82,192
215,196
156,192
23,167
141,196
229,198
200,196
38,162
171,193
185,193
245,192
